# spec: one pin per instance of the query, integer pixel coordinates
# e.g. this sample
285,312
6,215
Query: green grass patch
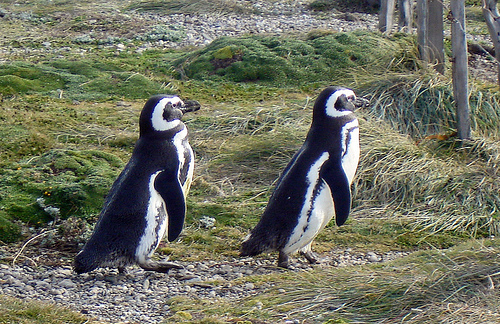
75,182
290,61
423,104
189,6
14,310
77,80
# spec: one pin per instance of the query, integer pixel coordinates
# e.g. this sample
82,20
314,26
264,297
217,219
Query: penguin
315,185
147,200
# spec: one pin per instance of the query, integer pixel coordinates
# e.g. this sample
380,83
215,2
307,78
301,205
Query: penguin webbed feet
284,262
159,266
310,256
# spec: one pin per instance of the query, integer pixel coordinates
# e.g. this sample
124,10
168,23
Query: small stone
372,257
249,286
195,279
57,292
67,283
145,284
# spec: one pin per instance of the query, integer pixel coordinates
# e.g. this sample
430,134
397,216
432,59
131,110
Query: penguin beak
190,105
360,102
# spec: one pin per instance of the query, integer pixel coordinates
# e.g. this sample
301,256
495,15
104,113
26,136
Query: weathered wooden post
423,47
406,15
435,34
492,18
386,15
459,68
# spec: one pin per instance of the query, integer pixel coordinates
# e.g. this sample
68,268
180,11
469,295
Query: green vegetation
189,6
426,287
290,61
69,120
78,80
22,312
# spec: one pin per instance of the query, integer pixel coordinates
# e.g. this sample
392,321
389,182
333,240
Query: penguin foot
283,261
310,256
162,267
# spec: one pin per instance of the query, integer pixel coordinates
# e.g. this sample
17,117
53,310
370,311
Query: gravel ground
142,297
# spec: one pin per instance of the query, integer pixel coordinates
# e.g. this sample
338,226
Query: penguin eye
351,98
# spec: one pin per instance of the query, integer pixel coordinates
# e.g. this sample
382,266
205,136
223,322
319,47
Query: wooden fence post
492,18
406,15
386,15
423,47
435,34
459,68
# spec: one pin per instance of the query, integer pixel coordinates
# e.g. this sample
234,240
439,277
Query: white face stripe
299,238
157,120
330,103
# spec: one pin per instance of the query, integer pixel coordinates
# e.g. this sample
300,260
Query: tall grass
439,186
422,104
409,290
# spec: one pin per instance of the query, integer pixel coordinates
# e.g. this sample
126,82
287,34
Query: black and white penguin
315,185
147,199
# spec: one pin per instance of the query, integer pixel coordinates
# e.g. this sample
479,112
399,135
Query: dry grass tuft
442,186
422,104
454,286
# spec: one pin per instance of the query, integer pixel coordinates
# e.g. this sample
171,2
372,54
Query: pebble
373,257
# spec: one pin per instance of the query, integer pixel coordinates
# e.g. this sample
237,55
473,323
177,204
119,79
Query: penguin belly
185,156
312,220
156,224
350,149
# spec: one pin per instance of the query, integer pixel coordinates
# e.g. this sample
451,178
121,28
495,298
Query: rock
145,284
373,257
67,283
249,286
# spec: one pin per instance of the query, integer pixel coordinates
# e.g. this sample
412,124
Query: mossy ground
70,120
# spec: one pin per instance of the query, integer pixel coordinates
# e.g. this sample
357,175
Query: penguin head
163,113
337,102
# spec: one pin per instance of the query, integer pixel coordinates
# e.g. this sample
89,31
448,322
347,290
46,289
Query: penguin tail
254,245
85,262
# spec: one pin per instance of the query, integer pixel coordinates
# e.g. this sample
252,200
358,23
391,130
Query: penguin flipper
170,189
336,179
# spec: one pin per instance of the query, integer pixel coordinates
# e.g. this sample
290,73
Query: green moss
13,84
80,80
76,182
9,231
124,84
287,61
224,53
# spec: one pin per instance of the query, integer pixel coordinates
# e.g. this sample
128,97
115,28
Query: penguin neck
324,122
162,135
